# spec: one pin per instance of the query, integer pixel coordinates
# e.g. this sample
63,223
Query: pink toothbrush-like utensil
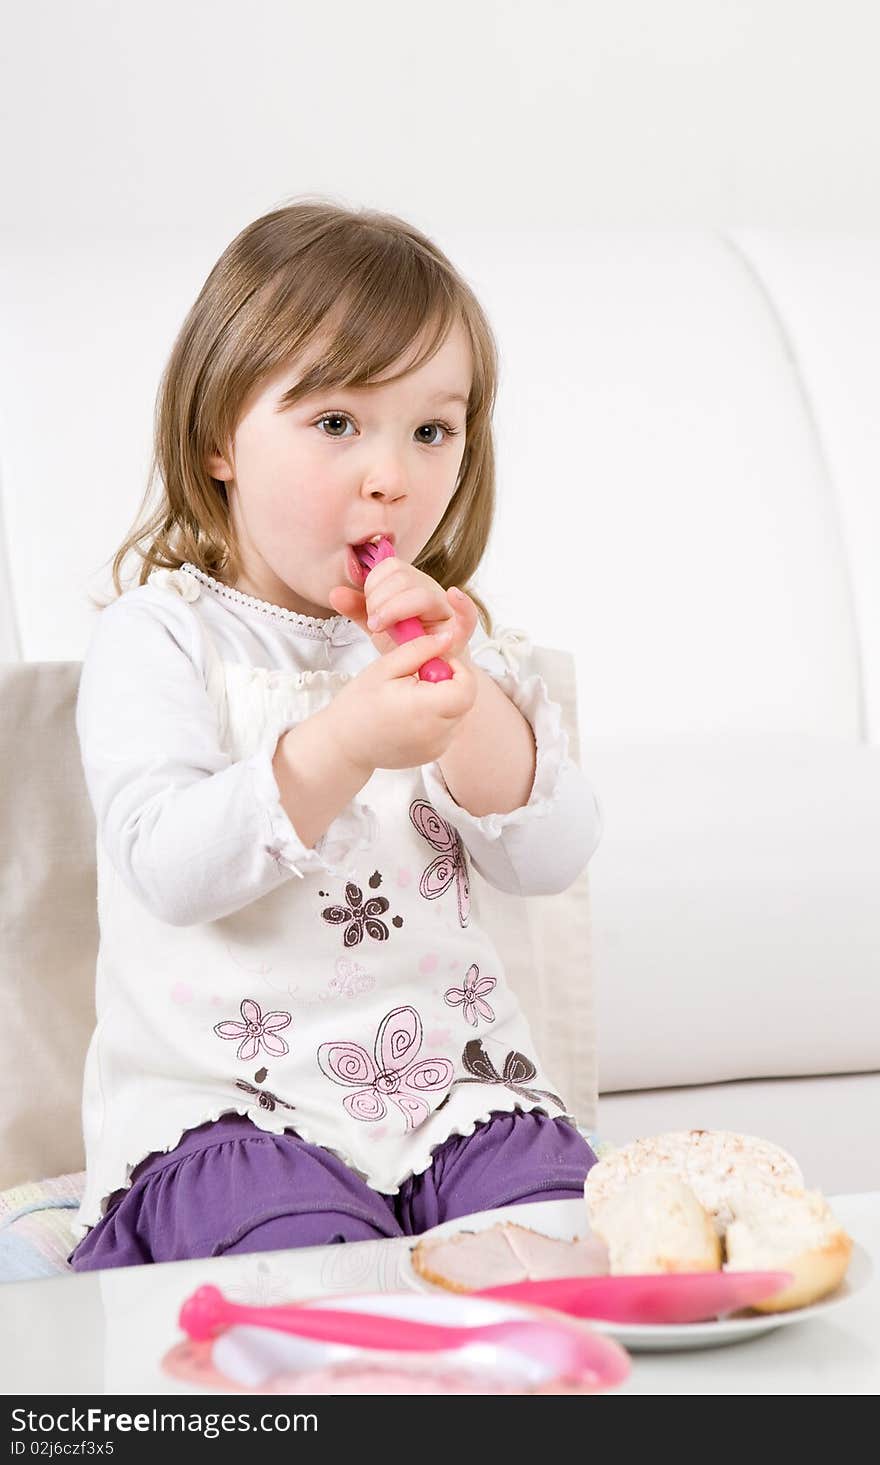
664,1297
435,669
572,1350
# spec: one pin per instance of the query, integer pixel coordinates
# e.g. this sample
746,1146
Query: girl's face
307,482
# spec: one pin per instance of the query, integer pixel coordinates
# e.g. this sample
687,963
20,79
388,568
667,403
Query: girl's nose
384,488
387,477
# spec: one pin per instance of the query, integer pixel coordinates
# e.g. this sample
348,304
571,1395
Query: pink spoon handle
434,670
572,1350
663,1297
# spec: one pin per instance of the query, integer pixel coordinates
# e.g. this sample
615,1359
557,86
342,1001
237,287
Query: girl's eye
332,417
449,431
343,417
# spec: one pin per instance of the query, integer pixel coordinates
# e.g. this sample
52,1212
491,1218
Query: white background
664,508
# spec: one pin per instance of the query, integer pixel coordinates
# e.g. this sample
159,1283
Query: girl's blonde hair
372,285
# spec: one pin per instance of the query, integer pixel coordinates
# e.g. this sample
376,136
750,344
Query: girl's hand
394,590
386,717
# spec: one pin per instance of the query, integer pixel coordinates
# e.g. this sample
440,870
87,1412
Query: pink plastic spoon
664,1297
572,1351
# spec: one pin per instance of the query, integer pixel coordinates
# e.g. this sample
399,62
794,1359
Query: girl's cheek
317,519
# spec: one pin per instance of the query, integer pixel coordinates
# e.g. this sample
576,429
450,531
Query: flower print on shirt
451,862
256,1031
350,980
359,915
470,997
397,1073
518,1072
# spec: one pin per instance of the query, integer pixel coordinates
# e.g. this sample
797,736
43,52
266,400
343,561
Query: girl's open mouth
355,570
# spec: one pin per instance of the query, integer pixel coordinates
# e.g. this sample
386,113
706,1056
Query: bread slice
792,1230
654,1223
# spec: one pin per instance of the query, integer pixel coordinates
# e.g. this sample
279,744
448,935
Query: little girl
304,1032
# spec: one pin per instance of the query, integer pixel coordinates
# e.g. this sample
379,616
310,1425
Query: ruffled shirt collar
338,630
511,643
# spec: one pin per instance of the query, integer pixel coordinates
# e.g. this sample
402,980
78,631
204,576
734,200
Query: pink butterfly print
358,915
397,1074
256,1031
450,864
470,996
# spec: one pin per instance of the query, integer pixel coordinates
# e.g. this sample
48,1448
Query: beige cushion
48,922
48,919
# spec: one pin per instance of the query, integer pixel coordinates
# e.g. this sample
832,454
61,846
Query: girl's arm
479,780
315,778
528,840
195,834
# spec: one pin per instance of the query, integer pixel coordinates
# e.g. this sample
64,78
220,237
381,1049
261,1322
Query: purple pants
230,1186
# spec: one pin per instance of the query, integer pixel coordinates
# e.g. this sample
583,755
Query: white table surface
105,1332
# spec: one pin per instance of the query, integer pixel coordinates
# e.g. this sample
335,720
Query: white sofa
689,459
736,893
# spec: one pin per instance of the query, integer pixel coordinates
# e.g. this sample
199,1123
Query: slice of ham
505,1253
461,1263
547,1256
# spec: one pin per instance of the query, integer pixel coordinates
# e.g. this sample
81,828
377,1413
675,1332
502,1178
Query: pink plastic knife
664,1297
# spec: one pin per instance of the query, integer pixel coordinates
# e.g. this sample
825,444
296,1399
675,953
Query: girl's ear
218,468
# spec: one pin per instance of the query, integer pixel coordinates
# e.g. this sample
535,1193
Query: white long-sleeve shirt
347,990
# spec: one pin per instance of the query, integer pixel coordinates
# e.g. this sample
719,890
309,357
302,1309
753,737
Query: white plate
657,1338
566,1219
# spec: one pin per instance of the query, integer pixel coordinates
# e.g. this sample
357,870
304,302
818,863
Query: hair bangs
377,325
